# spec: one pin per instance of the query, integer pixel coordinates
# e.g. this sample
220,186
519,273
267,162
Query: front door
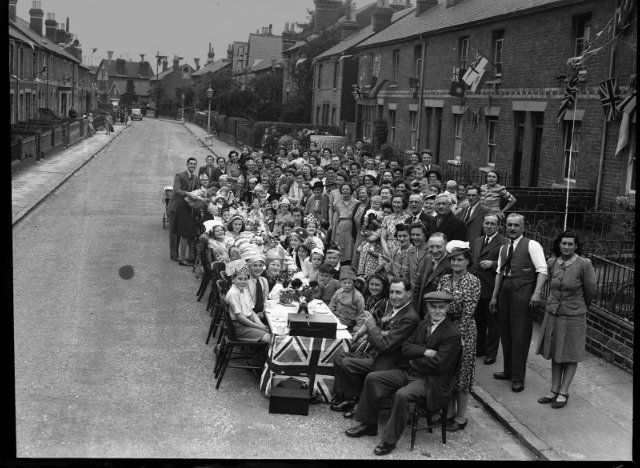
537,124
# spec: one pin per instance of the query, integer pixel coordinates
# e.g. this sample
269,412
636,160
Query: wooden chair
217,270
207,274
221,287
420,409
228,347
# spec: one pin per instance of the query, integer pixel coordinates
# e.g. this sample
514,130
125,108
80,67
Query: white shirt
535,252
434,325
490,238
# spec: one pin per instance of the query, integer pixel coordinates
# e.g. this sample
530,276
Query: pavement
596,423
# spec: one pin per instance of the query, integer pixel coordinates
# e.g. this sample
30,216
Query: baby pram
166,195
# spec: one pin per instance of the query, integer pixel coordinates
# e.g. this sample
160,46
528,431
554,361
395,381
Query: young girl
312,230
304,251
311,265
244,320
347,303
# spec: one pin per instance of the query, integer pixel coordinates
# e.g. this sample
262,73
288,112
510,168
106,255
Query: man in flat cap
385,343
433,351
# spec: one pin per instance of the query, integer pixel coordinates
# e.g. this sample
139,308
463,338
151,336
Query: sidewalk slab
217,146
596,423
35,183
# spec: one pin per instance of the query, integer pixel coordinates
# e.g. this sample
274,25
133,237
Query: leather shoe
501,376
489,360
517,386
185,263
383,448
345,405
454,426
349,414
362,430
175,259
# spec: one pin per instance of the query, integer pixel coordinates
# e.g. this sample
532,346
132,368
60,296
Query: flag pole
573,126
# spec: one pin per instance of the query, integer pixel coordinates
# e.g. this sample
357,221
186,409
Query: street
112,367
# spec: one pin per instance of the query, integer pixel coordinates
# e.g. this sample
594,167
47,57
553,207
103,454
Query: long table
300,356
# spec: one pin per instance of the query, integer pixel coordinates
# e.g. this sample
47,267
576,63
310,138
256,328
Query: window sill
393,85
490,167
453,162
563,185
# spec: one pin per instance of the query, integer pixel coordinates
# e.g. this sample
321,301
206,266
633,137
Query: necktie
259,297
486,242
468,214
506,269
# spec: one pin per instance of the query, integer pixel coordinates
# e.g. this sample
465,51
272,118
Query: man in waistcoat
521,274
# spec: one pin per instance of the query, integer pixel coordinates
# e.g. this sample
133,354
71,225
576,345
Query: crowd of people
427,274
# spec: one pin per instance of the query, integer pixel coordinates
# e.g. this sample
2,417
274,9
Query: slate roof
131,69
212,67
360,36
264,47
466,12
168,71
263,64
360,11
24,29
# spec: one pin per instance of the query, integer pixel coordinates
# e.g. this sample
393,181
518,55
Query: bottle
304,307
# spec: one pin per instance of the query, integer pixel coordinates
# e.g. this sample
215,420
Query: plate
288,305
279,319
341,326
321,311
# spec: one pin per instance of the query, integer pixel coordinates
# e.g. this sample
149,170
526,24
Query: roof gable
264,47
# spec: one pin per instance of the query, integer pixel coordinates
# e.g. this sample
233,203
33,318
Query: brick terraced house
511,122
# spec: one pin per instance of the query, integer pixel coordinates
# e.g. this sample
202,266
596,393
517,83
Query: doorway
519,118
537,125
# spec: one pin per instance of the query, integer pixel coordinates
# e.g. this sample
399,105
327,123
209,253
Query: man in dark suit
521,274
473,215
417,259
417,215
447,222
426,155
436,266
183,182
398,323
485,250
433,351
218,170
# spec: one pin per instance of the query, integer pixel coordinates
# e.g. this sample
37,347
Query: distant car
136,114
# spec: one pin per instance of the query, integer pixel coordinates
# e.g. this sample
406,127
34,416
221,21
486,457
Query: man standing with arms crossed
521,274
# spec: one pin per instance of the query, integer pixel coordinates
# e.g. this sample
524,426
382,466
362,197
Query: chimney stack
450,3
110,56
270,28
424,5
210,55
176,63
349,25
165,64
121,66
288,37
381,16
142,57
197,62
327,12
36,15
51,26
12,9
61,35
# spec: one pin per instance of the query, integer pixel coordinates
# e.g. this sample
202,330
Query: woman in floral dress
465,289
344,223
358,216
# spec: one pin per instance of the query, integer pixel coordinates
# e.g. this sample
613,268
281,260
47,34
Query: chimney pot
36,15
12,9
424,5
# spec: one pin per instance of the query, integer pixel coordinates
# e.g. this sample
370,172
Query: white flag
476,71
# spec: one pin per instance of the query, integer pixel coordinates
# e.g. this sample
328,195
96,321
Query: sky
182,27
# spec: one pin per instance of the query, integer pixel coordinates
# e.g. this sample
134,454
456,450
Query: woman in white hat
245,322
257,285
218,242
283,215
465,289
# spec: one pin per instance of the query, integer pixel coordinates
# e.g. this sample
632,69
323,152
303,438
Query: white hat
208,225
457,245
285,201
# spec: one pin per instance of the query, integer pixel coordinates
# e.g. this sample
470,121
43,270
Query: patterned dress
344,228
389,223
466,293
491,197
357,217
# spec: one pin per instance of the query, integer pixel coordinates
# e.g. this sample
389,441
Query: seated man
399,321
433,351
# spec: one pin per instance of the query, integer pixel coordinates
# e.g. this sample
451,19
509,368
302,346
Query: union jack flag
457,85
609,97
569,98
356,92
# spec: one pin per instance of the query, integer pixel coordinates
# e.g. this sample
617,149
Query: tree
129,97
267,89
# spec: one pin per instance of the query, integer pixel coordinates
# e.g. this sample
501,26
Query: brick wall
536,50
608,337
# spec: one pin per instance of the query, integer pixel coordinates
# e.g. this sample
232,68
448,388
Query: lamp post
158,59
183,96
209,95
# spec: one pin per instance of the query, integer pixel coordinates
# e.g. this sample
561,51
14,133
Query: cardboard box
314,326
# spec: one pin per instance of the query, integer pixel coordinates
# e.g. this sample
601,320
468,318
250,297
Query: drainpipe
605,125
420,99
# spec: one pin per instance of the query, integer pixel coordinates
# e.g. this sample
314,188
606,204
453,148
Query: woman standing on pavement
465,289
344,223
572,287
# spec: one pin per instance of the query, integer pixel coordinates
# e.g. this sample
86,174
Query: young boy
332,257
327,285
348,303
